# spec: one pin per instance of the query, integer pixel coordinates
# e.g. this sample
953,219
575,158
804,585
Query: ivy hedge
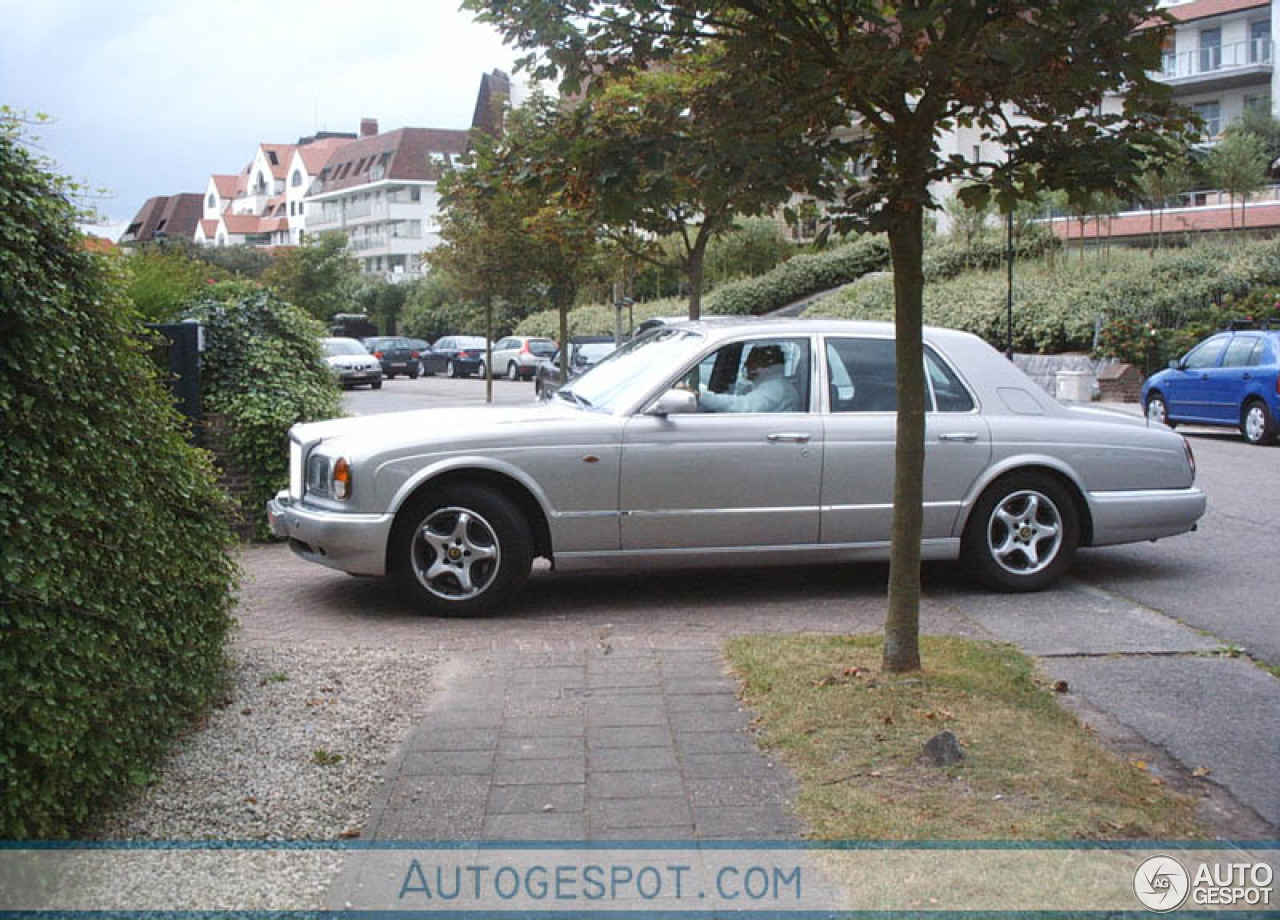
264,369
1059,301
117,568
797,278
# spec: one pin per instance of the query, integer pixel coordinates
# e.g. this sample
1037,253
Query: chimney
368,127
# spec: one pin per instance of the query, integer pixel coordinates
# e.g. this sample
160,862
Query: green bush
263,368
793,280
798,278
117,568
1058,302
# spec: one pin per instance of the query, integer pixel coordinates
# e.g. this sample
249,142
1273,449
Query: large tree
1237,164
511,230
902,72
678,152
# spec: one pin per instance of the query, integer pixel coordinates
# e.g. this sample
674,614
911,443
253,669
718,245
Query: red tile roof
1201,9
210,228
98,243
283,152
226,186
168,215
1208,220
317,153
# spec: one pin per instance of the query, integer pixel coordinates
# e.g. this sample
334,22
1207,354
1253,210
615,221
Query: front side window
1205,354
762,375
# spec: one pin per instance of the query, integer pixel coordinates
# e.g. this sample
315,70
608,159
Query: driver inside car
769,389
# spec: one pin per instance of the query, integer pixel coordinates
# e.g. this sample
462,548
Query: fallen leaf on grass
1201,771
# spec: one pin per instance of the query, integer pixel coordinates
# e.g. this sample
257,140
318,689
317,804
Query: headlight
329,476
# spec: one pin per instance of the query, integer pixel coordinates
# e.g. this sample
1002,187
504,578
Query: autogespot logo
1161,883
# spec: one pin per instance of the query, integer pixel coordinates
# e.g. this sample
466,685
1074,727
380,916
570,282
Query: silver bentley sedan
738,442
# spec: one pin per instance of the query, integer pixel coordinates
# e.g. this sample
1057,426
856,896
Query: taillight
378,355
414,355
524,349
1191,458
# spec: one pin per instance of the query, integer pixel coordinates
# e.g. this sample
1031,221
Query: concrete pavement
600,709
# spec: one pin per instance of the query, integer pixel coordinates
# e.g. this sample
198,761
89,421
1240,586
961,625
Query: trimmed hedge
264,369
1057,303
797,278
117,568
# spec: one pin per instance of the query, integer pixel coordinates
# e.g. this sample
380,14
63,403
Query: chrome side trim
709,512
944,548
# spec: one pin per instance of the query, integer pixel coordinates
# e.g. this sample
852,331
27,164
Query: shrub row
1058,302
117,568
795,279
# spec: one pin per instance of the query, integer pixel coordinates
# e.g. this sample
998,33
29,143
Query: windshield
344,347
591,352
469,341
543,348
635,369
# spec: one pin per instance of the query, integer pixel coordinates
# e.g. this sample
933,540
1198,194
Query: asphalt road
1223,579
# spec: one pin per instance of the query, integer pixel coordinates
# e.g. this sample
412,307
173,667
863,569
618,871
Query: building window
1260,103
1210,50
211,201
415,193
1210,113
1260,41
297,178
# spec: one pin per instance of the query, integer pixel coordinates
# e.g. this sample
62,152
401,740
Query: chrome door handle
966,437
789,438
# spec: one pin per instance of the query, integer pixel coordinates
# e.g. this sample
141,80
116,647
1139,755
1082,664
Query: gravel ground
295,753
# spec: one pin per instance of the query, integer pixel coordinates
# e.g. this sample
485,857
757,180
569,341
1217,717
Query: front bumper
1146,514
355,543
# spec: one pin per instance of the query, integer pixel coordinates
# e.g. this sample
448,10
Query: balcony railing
363,243
1216,59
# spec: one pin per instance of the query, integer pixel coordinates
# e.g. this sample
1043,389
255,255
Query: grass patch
853,735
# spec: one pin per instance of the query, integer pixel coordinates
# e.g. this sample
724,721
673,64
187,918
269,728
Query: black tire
513,371
1157,410
376,385
537,387
1256,423
413,376
1018,559
429,530
388,376
482,370
451,369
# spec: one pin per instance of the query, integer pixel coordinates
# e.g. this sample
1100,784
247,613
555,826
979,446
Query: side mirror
675,402
1176,364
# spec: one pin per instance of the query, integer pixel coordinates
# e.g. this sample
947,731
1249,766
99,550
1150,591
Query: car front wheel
1022,534
513,372
1256,423
1157,411
462,551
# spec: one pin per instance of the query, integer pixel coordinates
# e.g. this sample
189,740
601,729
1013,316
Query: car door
1190,388
1229,382
725,479
861,438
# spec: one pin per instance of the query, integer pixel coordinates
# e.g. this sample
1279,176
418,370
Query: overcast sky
150,97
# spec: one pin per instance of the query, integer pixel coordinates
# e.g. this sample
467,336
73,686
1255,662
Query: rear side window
1244,351
862,377
949,394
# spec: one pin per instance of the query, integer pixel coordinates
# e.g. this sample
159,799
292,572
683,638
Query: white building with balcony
1219,59
381,191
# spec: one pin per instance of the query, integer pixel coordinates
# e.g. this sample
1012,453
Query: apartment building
381,191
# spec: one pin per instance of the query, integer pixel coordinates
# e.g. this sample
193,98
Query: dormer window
271,155
297,178
212,200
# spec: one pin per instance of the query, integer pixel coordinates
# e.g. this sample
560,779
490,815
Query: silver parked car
351,362
517,356
730,443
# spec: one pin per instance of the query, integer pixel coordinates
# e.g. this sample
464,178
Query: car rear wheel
1256,423
1022,533
513,371
462,551
452,369
1157,411
481,371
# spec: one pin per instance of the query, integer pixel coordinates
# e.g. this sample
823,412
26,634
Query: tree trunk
902,624
488,349
563,309
697,259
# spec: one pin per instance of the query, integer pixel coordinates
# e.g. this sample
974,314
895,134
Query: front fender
466,462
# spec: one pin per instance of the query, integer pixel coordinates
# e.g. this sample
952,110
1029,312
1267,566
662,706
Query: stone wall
1043,369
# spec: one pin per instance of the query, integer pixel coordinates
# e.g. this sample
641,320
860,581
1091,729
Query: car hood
371,434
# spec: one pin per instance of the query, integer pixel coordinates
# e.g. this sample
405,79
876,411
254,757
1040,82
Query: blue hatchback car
1231,379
